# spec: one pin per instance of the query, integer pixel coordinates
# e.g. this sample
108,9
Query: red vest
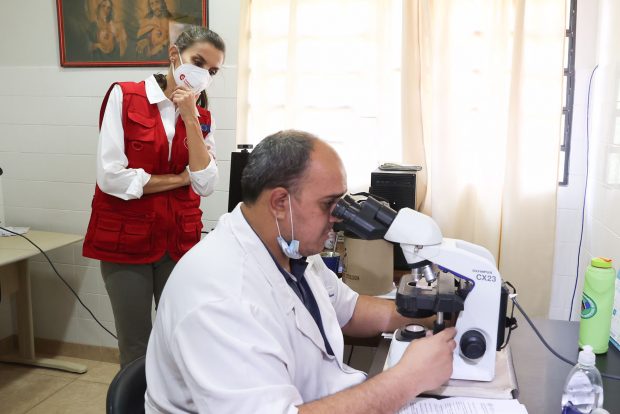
143,230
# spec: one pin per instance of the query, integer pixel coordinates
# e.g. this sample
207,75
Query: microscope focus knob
472,344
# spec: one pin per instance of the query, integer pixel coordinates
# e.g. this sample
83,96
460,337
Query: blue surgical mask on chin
291,250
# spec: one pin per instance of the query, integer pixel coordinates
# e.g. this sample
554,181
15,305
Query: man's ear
278,202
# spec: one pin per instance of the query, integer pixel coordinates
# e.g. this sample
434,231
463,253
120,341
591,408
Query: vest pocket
119,233
189,225
107,232
136,236
140,141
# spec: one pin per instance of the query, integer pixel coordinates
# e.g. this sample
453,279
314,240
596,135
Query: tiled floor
26,389
34,390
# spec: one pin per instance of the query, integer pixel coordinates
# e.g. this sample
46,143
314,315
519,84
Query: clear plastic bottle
583,391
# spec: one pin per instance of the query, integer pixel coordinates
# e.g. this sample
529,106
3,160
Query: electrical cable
511,322
585,191
61,278
513,297
350,355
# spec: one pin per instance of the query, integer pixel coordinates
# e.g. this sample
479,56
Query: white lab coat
232,337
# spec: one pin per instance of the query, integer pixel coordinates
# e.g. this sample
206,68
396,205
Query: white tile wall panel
53,195
52,139
561,292
571,197
81,260
604,241
64,221
225,141
578,141
49,167
224,178
91,333
224,84
221,21
224,111
215,205
568,251
10,165
9,141
606,205
88,280
568,225
51,110
54,81
587,25
557,313
93,303
582,80
105,309
62,255
106,339
32,43
49,293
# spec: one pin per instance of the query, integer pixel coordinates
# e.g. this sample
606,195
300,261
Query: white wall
48,140
601,228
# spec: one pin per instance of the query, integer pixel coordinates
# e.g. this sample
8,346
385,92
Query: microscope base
397,349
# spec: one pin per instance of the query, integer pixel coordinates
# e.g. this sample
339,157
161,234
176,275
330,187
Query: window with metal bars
569,91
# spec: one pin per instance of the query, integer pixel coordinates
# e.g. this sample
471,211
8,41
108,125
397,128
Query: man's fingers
452,344
448,333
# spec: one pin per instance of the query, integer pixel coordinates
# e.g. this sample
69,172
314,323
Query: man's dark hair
279,160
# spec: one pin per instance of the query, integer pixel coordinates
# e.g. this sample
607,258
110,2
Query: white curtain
328,67
482,111
479,87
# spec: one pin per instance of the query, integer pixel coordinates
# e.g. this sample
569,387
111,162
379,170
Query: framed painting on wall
122,32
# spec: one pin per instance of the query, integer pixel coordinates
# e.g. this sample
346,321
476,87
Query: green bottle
596,305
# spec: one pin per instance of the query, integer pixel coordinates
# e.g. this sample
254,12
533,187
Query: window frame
569,73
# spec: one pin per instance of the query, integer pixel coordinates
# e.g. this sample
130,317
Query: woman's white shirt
113,176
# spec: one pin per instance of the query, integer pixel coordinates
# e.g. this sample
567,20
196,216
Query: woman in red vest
156,158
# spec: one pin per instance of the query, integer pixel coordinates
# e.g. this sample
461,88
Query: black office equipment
238,161
397,187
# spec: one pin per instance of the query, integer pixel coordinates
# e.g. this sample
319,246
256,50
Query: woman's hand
184,176
185,101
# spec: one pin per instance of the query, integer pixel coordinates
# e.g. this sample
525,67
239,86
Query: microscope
448,277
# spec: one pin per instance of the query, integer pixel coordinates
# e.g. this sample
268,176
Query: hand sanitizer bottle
583,391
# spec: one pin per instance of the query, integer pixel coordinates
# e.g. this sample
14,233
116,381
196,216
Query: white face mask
291,250
195,78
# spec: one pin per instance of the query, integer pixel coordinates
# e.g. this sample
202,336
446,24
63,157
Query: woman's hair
199,34
187,39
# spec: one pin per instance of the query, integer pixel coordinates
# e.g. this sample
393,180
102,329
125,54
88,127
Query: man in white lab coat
252,321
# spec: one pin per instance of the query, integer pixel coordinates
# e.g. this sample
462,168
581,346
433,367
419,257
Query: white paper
18,230
462,405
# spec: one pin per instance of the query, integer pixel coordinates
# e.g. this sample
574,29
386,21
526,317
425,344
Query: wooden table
15,280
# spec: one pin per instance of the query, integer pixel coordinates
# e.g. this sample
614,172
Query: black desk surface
540,374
